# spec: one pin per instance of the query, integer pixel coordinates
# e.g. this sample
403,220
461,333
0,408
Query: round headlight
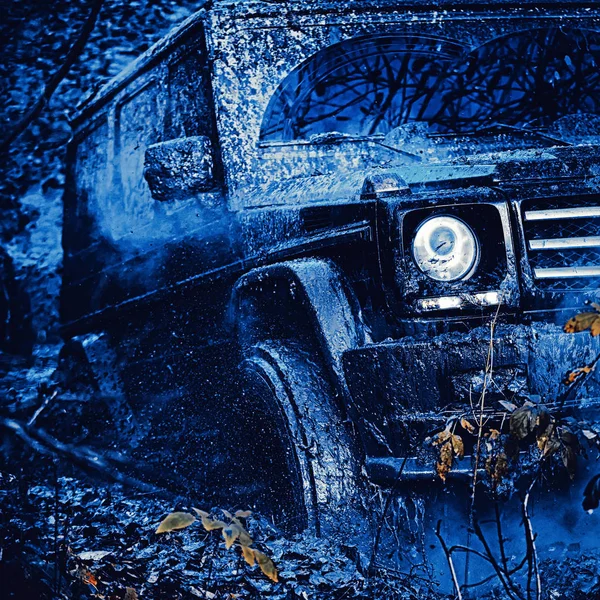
445,248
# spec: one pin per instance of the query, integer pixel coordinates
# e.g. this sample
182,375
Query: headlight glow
445,248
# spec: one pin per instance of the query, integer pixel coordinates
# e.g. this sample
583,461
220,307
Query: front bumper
405,390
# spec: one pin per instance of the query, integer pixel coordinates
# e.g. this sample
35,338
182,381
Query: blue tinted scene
300,300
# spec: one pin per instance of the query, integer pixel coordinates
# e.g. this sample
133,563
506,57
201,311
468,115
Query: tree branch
84,458
72,55
449,559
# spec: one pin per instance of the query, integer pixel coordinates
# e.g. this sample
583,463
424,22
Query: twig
56,519
44,404
500,536
572,390
84,458
449,559
49,89
533,564
504,578
386,507
489,369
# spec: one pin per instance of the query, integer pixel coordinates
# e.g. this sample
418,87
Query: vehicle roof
238,9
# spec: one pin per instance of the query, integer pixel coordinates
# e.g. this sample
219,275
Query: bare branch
72,55
386,508
531,548
449,559
510,588
82,457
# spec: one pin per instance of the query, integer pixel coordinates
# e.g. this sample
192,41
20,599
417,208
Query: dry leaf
88,577
212,524
231,533
466,425
93,555
176,520
493,434
200,513
243,514
248,555
227,514
244,537
583,321
575,374
509,406
130,594
451,445
590,435
266,565
497,467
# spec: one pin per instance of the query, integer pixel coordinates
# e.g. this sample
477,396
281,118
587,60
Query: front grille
562,238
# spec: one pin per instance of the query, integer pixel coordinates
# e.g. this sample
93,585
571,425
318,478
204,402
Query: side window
370,85
363,86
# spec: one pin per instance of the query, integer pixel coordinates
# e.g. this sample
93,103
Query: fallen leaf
266,565
212,524
93,555
248,554
176,520
202,593
467,426
590,435
200,513
130,594
227,514
243,514
509,406
231,533
583,321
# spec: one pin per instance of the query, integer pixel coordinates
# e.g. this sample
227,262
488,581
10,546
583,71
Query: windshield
536,80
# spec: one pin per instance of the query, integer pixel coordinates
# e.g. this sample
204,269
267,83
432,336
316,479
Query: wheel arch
305,299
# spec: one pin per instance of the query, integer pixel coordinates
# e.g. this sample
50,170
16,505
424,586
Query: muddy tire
303,461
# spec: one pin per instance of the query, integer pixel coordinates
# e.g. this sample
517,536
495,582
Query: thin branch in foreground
533,563
72,55
449,559
82,457
509,587
386,508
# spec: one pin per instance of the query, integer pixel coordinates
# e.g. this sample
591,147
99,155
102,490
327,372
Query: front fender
308,300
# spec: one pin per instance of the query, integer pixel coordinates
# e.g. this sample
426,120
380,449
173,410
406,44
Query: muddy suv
288,225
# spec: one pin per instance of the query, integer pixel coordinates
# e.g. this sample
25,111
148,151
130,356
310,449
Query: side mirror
177,169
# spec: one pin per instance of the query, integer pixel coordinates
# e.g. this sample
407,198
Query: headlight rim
474,263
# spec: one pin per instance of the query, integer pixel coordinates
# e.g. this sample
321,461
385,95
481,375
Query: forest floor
66,533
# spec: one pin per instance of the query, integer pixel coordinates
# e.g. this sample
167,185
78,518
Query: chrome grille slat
582,212
570,272
563,242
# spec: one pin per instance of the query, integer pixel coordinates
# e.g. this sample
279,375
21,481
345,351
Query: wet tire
301,463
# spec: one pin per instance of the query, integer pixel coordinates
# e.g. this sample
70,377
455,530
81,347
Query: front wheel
304,463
